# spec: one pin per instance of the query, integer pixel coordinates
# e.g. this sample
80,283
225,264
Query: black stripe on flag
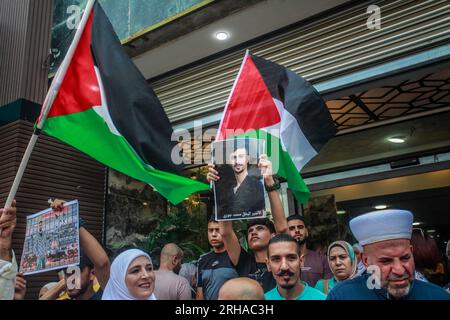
134,107
300,99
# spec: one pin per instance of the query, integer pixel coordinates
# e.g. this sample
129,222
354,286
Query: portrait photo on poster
52,240
239,193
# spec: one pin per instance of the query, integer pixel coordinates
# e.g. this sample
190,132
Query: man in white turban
388,255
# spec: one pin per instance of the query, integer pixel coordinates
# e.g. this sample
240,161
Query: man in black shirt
259,231
215,267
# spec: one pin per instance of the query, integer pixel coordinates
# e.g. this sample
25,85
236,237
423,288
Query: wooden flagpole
50,97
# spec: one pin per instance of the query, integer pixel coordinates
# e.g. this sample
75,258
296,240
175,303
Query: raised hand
21,287
212,174
8,221
265,166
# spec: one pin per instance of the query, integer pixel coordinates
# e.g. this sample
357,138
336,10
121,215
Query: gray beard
398,293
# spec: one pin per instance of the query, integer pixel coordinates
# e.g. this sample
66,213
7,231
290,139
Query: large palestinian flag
106,109
273,103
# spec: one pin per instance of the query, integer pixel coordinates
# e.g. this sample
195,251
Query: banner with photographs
239,193
51,240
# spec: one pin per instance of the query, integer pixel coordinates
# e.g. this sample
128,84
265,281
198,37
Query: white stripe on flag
102,110
293,139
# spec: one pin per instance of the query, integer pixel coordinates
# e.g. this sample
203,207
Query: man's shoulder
314,254
430,290
349,289
272,294
315,294
171,276
204,258
212,258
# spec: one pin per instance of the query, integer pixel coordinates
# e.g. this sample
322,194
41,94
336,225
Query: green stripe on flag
87,132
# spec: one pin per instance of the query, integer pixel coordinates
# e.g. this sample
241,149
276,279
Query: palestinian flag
106,109
273,103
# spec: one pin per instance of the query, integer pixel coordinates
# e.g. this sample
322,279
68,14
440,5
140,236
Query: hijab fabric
116,288
350,252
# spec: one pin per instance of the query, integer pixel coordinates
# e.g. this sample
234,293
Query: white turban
382,225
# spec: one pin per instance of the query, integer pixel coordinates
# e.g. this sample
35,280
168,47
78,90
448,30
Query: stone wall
133,210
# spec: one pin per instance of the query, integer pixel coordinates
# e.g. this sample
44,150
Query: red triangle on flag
80,89
251,105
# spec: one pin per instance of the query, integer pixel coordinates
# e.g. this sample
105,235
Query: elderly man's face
239,160
396,263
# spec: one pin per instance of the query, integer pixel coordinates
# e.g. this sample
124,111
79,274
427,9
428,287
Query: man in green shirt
284,261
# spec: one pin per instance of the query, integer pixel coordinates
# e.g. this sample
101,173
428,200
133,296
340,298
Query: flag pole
48,101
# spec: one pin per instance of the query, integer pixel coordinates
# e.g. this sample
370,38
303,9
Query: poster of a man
51,240
239,193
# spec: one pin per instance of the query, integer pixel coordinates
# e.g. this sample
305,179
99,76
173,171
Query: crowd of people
390,260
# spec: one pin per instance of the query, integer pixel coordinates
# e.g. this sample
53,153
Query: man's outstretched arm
279,219
229,237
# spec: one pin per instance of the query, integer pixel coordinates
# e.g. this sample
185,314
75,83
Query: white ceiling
242,26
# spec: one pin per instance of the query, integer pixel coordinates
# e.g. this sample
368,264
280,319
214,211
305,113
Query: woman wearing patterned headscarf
343,265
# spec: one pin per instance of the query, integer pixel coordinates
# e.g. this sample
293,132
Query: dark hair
262,221
296,217
283,237
212,218
425,251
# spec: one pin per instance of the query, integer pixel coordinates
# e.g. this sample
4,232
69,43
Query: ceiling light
417,223
397,139
381,207
222,36
431,230
341,212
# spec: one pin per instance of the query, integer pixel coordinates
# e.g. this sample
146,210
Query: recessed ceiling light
417,223
431,230
397,139
222,35
381,207
341,212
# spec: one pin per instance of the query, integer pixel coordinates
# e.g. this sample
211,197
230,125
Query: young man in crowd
168,284
284,261
259,231
215,267
94,265
315,265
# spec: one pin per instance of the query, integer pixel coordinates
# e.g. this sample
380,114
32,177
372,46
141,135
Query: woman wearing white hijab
131,278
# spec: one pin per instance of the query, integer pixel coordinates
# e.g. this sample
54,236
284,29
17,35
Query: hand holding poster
239,193
51,240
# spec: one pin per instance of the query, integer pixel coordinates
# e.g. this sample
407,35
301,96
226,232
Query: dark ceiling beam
363,106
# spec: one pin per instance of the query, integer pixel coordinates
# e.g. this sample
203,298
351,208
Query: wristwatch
275,186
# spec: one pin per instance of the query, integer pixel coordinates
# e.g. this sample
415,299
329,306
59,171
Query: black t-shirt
256,271
213,270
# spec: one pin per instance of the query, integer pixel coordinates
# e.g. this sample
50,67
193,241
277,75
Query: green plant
177,227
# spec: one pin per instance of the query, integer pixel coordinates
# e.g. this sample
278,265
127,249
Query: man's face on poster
40,226
239,160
